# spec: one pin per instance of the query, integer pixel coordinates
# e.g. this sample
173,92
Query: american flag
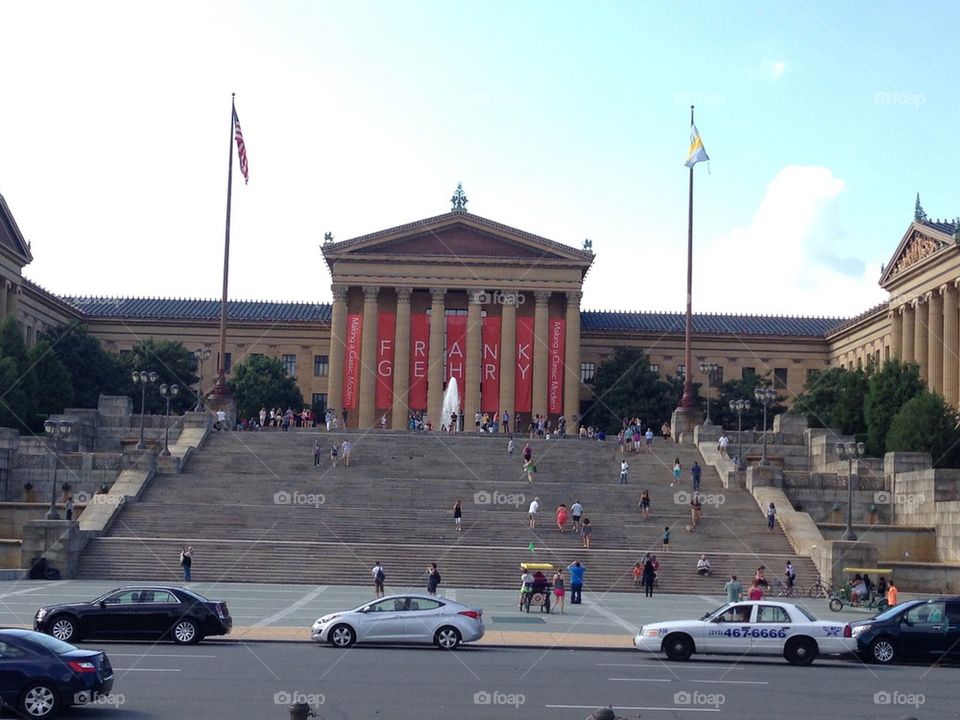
241,148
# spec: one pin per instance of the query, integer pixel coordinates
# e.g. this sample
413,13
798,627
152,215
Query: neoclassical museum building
501,310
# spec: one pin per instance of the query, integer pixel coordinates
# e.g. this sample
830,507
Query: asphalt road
223,680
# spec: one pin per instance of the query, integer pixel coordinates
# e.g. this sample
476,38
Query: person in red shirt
756,592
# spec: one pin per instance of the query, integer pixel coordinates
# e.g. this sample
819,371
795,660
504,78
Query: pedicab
872,601
537,593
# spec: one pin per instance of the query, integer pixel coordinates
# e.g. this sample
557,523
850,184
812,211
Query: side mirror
906,621
103,604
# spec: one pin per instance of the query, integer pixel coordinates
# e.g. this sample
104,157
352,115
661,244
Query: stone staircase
256,510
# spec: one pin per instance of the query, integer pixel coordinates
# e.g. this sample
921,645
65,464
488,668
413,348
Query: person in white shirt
345,449
221,420
576,511
703,566
624,467
534,510
722,445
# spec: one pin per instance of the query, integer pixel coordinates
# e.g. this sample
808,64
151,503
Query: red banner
490,366
523,397
351,361
457,352
386,329
419,360
557,348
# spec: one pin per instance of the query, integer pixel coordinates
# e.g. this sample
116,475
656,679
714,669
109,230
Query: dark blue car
926,630
39,674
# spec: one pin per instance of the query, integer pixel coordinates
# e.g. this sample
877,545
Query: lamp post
143,377
765,396
850,452
710,370
58,429
167,392
201,354
739,406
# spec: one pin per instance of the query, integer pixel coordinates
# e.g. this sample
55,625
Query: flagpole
220,387
686,402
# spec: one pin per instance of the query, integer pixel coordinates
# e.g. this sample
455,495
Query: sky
569,120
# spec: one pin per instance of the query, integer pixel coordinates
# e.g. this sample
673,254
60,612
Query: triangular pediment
918,247
11,240
456,235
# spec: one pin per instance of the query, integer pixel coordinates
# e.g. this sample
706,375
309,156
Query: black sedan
920,629
137,613
40,674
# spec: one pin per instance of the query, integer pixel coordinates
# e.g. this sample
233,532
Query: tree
93,371
54,386
18,391
625,386
173,363
261,381
888,390
835,398
926,423
743,389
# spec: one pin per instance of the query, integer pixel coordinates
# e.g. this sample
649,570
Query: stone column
896,333
368,358
508,355
951,343
13,301
338,329
920,331
471,397
435,372
935,341
401,360
908,317
4,284
541,349
571,381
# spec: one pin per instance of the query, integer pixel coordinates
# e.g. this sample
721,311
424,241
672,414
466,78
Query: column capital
943,289
339,292
916,302
928,296
370,293
403,294
542,296
574,296
438,294
477,297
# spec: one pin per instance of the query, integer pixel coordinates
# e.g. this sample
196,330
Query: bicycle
819,589
781,589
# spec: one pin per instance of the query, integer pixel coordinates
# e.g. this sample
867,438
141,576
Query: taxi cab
757,627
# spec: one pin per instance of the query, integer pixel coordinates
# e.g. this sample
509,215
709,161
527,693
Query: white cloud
775,68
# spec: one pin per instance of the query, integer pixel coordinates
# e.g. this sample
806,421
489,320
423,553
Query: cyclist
759,578
791,574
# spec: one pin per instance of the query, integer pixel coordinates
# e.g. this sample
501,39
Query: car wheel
185,632
836,605
40,700
63,628
883,651
447,638
342,636
801,651
678,647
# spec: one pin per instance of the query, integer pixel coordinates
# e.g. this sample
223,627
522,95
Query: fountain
451,404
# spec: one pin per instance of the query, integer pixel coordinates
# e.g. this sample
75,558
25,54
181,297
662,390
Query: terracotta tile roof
188,309
659,322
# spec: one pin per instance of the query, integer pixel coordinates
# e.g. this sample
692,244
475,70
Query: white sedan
402,619
749,628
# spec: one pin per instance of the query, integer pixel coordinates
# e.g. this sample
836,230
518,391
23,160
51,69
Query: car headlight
858,629
650,632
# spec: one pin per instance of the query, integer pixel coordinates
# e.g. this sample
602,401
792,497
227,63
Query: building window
681,371
747,373
655,367
321,365
289,364
319,405
716,379
125,352
227,361
587,371
780,378
886,353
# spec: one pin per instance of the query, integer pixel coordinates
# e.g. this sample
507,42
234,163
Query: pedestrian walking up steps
255,509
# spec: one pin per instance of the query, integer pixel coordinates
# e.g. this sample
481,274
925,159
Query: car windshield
51,643
891,613
713,613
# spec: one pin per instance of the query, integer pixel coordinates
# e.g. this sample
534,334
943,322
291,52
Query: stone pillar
13,301
920,331
541,348
471,397
951,344
368,358
4,284
935,341
401,360
571,381
508,355
435,372
906,353
338,329
896,333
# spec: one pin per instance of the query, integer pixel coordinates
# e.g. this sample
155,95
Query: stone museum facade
500,309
